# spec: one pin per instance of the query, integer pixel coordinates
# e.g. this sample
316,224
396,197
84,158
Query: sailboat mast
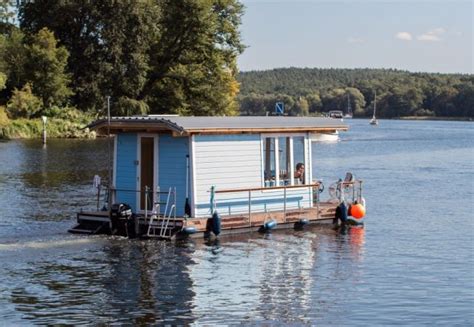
349,110
375,102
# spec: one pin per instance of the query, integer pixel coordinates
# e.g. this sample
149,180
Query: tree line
180,57
397,93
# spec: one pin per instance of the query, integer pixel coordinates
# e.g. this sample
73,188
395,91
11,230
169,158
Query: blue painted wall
172,168
126,170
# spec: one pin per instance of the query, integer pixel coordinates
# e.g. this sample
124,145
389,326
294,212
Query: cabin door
147,171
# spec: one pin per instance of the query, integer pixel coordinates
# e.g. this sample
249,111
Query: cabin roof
217,125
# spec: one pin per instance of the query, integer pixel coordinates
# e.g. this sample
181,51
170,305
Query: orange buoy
358,211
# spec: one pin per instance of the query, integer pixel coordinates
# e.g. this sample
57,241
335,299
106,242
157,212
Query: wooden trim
267,188
221,131
267,130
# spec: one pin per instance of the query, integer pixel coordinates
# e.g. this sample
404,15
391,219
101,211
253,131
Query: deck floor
325,211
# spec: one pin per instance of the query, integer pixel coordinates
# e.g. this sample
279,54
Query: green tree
194,70
177,56
300,108
109,44
400,102
6,16
45,65
23,103
464,100
335,99
3,80
13,58
356,101
314,102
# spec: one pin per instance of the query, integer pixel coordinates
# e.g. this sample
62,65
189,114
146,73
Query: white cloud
355,40
405,36
433,35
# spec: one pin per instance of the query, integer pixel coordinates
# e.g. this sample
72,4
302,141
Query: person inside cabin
299,173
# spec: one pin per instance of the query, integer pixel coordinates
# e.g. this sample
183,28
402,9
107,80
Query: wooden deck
98,222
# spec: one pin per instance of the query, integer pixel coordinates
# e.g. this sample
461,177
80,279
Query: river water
412,263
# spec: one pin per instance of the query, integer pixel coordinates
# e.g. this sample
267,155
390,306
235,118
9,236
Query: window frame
306,156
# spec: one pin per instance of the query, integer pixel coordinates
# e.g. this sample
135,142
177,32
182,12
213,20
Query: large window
269,161
299,162
284,161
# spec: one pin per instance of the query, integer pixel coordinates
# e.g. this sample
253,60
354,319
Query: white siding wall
226,162
233,162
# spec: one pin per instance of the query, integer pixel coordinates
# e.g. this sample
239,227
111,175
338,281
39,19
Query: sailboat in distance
374,120
348,115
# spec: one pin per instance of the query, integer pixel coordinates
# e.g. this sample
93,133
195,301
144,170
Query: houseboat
198,176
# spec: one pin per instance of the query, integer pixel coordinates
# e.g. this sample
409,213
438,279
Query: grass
67,127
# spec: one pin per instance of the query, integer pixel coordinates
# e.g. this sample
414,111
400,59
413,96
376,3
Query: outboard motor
122,220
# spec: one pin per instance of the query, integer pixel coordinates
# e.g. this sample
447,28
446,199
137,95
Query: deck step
89,228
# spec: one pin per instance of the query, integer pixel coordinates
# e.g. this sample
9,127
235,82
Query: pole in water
45,119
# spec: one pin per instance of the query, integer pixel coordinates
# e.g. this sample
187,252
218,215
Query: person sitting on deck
299,173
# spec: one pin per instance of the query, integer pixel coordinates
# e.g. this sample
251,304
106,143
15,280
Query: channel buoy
357,211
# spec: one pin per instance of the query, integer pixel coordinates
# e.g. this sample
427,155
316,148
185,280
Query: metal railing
342,190
314,187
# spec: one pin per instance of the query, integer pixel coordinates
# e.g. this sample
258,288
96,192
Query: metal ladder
169,212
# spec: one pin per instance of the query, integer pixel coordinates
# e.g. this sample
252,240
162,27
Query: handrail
284,188
268,188
136,191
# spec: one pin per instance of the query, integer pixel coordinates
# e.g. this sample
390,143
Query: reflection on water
255,278
410,264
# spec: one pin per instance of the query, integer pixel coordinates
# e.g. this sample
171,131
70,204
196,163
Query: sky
418,36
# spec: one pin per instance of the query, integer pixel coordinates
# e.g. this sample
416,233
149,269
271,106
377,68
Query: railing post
317,201
146,203
284,205
353,192
250,208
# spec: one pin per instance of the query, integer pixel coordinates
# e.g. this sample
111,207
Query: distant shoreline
423,118
435,118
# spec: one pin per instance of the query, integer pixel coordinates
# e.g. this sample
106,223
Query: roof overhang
184,126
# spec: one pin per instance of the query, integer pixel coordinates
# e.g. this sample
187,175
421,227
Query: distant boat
325,137
348,115
336,114
374,120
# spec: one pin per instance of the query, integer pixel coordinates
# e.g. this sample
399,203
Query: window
269,160
284,160
282,156
299,175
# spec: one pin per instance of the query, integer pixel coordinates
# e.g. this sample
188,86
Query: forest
61,59
314,91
